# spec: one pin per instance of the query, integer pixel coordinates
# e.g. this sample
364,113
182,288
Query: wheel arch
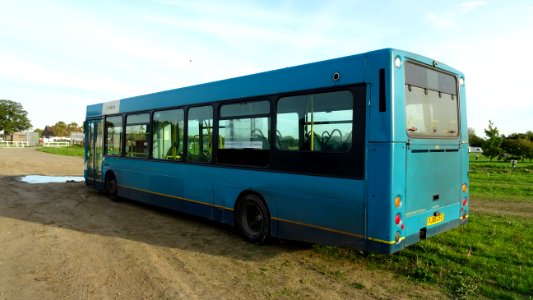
272,228
250,192
113,193
108,173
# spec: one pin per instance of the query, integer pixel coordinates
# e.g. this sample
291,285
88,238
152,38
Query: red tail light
398,219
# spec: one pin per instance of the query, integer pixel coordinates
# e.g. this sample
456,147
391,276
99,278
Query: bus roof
303,77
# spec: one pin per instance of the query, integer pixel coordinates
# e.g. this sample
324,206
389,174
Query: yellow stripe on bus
386,242
176,197
273,218
318,227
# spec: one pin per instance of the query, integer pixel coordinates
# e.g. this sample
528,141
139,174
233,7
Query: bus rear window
431,100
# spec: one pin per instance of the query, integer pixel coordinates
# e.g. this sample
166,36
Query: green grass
491,256
499,181
69,151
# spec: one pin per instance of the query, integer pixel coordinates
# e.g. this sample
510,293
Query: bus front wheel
252,219
111,187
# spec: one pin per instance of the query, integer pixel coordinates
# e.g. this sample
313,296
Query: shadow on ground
77,207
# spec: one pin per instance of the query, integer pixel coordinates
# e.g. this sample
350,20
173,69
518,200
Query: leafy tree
516,136
13,117
529,135
74,127
473,139
39,131
527,148
492,146
61,129
49,131
513,147
518,145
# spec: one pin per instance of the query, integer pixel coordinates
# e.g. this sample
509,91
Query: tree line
59,129
13,118
515,146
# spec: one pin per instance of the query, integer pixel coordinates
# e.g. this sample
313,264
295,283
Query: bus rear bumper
427,232
389,248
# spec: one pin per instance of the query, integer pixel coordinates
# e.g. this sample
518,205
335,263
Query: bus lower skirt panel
193,208
297,232
279,228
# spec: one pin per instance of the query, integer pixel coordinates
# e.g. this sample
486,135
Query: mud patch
501,207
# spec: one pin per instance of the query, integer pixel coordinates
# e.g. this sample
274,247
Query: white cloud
451,19
441,21
469,6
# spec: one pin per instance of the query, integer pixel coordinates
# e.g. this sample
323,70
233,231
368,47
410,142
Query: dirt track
64,240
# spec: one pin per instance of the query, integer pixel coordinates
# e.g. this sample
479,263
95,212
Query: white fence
13,144
56,144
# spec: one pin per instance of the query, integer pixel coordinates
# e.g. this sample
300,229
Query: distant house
32,138
77,138
475,150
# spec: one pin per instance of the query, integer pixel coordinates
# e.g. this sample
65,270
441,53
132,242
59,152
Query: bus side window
244,130
200,134
168,134
319,122
137,131
113,130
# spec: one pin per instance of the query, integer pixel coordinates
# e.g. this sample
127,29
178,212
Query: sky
56,57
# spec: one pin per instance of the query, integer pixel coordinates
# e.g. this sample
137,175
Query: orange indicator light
464,188
397,201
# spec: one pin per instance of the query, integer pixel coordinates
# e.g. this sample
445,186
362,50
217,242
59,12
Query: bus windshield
431,102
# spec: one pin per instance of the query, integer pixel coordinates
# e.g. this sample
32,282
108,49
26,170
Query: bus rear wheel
111,187
252,219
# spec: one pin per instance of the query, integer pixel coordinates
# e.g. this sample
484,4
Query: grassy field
70,151
500,181
491,256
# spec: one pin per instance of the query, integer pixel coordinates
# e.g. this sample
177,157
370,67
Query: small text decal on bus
111,107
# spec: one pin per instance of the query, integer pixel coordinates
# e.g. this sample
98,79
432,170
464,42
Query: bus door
94,154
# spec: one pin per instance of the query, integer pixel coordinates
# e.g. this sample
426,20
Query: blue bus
368,151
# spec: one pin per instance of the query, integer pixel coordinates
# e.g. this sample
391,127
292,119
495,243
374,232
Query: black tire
252,219
111,187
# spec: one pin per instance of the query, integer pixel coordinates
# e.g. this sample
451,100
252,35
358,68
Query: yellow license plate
435,219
